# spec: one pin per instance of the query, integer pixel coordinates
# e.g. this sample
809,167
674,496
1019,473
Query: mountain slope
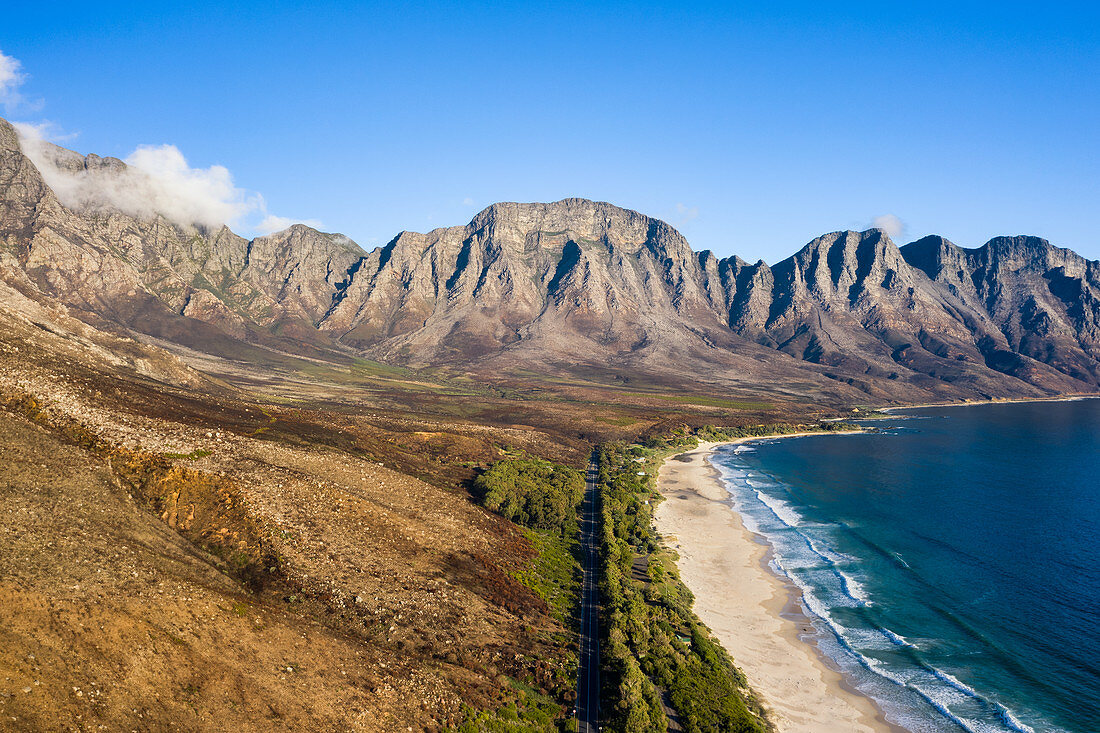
574,286
153,275
174,553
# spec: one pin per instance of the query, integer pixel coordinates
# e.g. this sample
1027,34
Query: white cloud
11,78
892,225
153,180
45,130
181,193
686,213
271,224
467,201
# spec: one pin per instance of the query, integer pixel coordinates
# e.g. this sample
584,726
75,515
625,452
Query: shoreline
994,401
765,629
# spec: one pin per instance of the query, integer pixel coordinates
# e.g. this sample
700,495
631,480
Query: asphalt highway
588,673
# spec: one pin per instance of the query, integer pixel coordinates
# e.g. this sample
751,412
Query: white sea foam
1013,722
940,701
751,524
940,689
1006,715
851,587
734,476
826,553
953,681
868,640
854,588
814,605
880,669
897,638
954,694
781,509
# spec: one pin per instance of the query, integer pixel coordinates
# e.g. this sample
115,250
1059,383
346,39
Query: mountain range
570,287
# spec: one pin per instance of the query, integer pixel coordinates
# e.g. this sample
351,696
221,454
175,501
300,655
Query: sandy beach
753,613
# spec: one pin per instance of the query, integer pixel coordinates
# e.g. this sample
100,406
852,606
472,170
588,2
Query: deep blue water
950,562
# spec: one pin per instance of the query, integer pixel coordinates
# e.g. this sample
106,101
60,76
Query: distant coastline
995,401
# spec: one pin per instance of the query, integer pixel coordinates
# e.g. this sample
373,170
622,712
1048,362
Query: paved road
588,674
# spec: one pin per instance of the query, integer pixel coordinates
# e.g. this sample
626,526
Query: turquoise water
950,562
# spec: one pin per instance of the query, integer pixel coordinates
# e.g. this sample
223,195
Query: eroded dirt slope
176,556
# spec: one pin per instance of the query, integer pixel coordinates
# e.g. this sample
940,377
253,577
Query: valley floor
752,612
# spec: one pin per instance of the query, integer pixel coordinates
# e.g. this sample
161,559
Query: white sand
743,603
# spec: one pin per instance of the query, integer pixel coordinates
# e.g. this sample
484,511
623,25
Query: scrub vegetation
533,493
657,654
760,431
543,498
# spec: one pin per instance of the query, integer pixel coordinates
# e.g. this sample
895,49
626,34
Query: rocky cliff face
523,272
159,278
578,284
858,302
1040,301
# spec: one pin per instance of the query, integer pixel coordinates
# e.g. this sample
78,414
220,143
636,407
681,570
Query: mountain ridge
579,284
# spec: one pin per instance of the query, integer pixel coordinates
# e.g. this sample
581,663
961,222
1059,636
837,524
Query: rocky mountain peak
933,254
581,220
22,189
1020,251
839,264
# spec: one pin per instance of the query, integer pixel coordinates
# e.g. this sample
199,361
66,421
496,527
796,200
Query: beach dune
752,612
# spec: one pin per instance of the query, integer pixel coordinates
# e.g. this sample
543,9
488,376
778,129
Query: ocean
950,561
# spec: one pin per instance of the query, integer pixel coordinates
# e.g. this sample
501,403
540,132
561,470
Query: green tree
532,492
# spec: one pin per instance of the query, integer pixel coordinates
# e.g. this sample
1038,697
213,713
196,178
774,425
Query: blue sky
751,130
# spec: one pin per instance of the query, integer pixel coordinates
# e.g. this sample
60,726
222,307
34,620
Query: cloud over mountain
272,223
152,180
892,225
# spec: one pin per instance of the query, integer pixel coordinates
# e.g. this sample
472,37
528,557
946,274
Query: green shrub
532,492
